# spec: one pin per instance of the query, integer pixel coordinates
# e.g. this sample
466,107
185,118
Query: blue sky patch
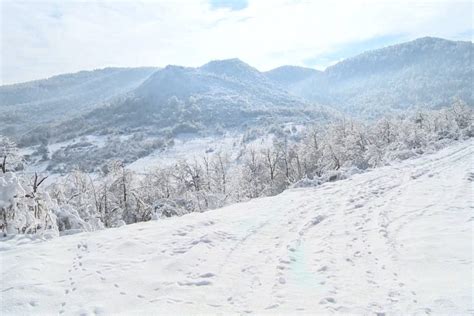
234,5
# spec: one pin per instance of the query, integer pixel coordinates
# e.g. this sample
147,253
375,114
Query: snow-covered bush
169,208
25,211
77,203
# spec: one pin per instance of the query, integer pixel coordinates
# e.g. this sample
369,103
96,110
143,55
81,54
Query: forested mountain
288,75
221,94
25,105
221,80
424,73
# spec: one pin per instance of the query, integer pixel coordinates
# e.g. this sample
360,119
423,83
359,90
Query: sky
40,39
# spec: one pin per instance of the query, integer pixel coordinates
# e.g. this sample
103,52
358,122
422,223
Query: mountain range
424,73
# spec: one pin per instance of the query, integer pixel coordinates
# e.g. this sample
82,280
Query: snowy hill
220,81
288,75
233,68
221,95
25,105
425,73
395,240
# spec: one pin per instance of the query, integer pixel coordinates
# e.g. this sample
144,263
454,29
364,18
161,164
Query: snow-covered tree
25,209
253,180
10,159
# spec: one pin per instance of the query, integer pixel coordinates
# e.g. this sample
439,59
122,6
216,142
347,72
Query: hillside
174,100
424,73
289,75
27,105
225,94
395,240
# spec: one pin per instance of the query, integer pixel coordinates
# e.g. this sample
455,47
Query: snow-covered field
396,240
187,148
194,147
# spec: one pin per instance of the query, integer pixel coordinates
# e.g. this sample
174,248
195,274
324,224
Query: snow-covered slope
26,105
425,73
290,75
395,240
227,93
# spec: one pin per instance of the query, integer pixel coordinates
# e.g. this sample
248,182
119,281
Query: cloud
44,38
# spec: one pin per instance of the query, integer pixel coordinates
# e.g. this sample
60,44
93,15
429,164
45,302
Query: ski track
395,240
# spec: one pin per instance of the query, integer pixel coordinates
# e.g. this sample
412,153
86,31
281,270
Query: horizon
228,59
42,39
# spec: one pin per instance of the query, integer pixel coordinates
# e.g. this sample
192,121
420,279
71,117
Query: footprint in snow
207,275
197,283
327,300
272,306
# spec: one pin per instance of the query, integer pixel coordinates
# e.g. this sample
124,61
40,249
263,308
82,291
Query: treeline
118,196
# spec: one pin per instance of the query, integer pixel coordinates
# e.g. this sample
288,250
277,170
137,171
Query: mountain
233,69
221,94
425,73
393,241
288,75
230,78
26,105
226,96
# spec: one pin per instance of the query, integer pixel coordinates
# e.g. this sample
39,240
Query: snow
9,188
191,147
41,166
185,148
395,240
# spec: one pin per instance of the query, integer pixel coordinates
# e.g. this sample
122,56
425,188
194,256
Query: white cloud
43,38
